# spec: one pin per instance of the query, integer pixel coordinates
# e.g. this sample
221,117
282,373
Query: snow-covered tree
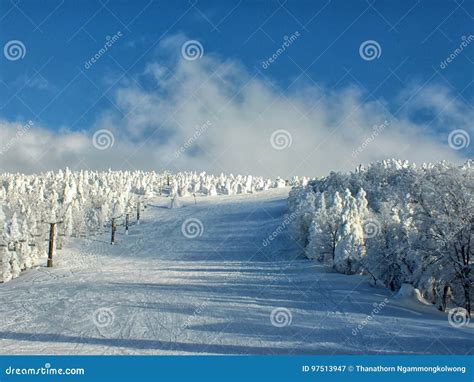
5,265
350,247
446,200
325,229
406,224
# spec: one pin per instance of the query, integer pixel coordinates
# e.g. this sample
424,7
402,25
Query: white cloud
325,126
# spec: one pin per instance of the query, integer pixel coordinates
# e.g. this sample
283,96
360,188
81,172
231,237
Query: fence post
127,217
52,234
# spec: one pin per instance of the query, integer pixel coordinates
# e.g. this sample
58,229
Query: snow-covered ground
160,291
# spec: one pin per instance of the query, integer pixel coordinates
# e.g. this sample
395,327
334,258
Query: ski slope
160,292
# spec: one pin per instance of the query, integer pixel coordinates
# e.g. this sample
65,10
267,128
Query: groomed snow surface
198,279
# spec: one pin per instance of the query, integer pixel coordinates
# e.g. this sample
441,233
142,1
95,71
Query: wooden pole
52,234
127,217
114,228
138,212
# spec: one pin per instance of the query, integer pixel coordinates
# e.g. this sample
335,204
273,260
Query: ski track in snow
160,292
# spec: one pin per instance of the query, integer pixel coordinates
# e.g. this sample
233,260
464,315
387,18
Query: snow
408,293
85,202
159,291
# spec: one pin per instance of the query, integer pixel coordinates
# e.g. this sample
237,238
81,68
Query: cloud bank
210,114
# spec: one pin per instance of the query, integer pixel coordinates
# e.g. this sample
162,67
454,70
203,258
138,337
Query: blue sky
52,86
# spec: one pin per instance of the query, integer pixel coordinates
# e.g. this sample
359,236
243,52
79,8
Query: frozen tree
68,222
318,242
302,205
103,215
69,193
350,247
14,233
248,184
325,229
383,248
175,202
446,200
280,183
423,222
5,265
212,190
15,264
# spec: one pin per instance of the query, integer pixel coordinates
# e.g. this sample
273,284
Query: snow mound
409,293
